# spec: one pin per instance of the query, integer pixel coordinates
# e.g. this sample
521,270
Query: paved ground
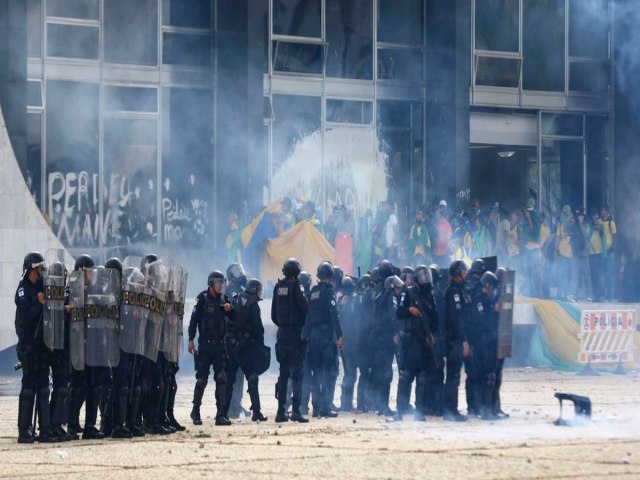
364,446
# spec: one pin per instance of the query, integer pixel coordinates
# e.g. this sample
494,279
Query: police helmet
435,273
423,275
338,275
348,286
83,262
386,269
146,261
364,281
254,287
56,269
393,282
32,260
114,263
291,268
215,276
305,280
236,274
500,273
489,278
325,271
457,267
375,275
478,267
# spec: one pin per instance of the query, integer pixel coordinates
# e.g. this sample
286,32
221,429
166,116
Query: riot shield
103,316
172,323
53,312
505,319
133,311
77,330
156,290
179,309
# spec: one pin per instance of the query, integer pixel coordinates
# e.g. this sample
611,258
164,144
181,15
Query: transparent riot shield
505,322
133,311
156,288
179,309
77,328
170,324
103,316
53,312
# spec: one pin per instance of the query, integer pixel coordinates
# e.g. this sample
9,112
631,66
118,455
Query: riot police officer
473,334
31,350
351,322
456,345
305,280
435,388
484,306
365,307
244,342
417,310
288,311
209,320
236,282
383,340
324,334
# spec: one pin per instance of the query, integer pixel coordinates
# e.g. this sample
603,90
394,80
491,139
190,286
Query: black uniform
488,364
454,337
209,319
322,332
237,386
288,311
365,395
33,354
384,328
434,394
416,359
351,321
244,332
473,335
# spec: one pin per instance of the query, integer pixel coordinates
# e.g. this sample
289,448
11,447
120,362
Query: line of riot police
109,336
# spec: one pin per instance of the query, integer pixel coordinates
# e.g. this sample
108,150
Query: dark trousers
35,381
596,269
290,356
60,367
323,363
381,375
452,381
211,354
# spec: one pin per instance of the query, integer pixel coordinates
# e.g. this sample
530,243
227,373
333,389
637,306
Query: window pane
85,9
562,124
400,21
589,23
498,72
33,171
497,25
300,18
400,64
187,13
72,41
187,166
543,45
34,93
131,32
133,99
130,163
72,199
34,28
350,38
348,111
297,57
186,50
589,77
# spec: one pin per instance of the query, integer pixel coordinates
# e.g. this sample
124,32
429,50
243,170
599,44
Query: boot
119,402
57,415
25,414
198,393
106,420
222,421
133,424
47,435
281,415
75,404
170,405
296,416
90,431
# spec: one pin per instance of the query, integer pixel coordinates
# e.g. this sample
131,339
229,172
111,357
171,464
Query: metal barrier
606,336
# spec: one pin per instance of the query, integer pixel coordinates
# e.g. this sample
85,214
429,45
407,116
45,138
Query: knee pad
221,377
201,383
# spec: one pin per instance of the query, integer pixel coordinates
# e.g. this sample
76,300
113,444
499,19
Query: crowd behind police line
431,327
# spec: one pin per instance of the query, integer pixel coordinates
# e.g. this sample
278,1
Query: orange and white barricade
606,336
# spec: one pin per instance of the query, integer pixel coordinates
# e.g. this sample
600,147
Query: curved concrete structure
22,228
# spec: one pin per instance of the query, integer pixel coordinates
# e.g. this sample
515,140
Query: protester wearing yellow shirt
564,252
596,256
609,233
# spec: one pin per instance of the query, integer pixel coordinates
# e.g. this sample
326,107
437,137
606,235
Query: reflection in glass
72,41
589,77
299,18
400,21
589,24
562,124
543,45
349,111
562,162
134,99
72,198
187,166
498,72
130,162
131,32
350,38
84,9
400,64
297,57
34,28
186,49
497,25
186,13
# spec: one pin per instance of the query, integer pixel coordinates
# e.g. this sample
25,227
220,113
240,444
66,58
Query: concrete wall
22,228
